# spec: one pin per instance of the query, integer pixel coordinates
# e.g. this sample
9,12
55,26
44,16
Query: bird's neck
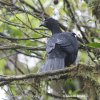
56,30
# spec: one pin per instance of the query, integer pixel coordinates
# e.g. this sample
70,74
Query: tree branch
84,71
17,46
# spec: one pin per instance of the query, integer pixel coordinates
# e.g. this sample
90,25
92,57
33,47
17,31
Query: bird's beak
43,23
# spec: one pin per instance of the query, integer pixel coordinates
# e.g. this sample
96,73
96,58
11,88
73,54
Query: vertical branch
74,20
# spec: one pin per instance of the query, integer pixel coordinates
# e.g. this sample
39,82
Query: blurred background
23,42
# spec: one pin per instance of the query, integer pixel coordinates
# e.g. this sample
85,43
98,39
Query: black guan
61,48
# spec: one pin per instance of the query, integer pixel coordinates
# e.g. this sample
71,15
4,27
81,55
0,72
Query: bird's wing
64,40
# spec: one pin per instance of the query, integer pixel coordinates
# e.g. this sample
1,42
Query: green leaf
2,65
49,10
83,6
94,45
70,92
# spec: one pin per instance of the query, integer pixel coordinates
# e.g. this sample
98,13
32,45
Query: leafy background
22,41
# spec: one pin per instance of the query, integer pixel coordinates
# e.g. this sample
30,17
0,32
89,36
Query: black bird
61,48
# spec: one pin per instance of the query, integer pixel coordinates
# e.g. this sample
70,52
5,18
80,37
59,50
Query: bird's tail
53,64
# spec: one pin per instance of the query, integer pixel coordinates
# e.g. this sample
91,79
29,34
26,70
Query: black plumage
61,48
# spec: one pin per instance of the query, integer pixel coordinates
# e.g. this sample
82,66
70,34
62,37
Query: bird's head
49,23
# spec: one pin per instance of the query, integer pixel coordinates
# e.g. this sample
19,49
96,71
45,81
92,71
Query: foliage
22,42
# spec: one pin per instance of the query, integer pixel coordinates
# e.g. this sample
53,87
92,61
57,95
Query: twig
41,6
27,4
16,46
74,19
63,97
38,56
12,38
